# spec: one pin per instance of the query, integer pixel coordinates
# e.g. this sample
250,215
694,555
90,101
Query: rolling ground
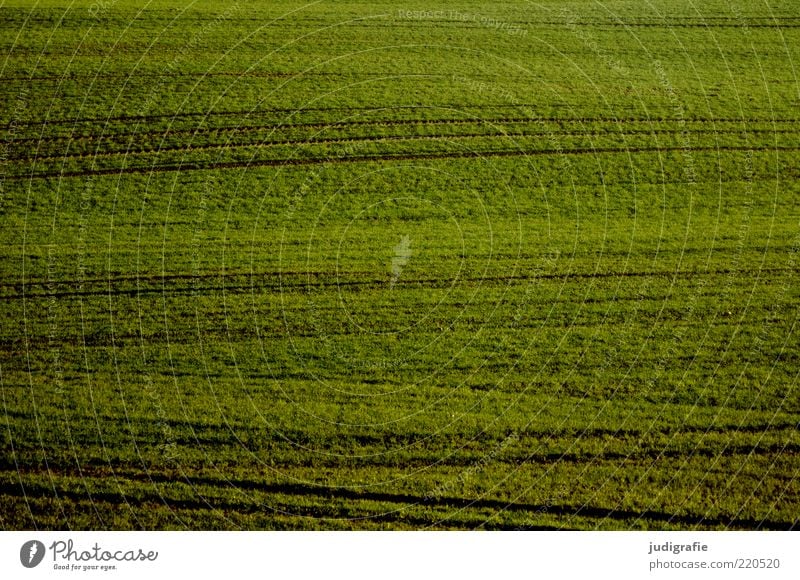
349,265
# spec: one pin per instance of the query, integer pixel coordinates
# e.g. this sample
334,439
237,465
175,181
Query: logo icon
402,252
32,553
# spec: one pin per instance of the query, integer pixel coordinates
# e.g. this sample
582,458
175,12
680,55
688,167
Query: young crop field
429,265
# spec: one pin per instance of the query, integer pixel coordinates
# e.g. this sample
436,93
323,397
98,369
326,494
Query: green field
356,265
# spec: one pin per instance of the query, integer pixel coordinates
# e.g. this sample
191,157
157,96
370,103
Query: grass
339,266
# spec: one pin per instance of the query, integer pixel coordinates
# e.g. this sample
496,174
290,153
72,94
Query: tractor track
344,140
315,280
423,156
443,107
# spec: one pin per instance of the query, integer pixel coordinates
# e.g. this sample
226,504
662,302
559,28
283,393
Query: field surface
369,265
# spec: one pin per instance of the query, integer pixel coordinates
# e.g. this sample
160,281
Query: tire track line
279,283
344,140
451,106
424,156
110,139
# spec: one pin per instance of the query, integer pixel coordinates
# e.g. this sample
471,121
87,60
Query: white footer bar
400,555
